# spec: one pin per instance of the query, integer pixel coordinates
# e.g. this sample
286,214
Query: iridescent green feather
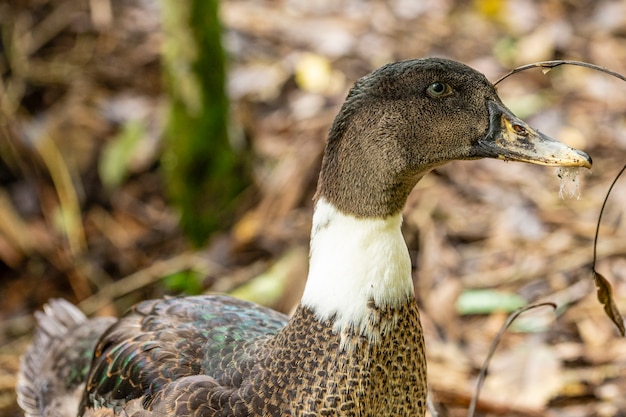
215,336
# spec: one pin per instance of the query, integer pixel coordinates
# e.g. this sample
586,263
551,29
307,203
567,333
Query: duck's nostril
520,130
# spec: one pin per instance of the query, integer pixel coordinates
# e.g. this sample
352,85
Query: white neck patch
353,261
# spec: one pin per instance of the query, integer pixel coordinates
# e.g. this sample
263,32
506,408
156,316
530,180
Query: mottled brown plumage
302,361
354,346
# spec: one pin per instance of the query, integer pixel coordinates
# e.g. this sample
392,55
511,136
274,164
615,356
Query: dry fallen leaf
605,296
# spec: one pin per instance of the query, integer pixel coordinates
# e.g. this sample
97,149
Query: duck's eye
439,89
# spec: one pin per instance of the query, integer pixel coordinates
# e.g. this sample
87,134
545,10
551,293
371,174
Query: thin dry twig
483,370
605,292
548,65
153,273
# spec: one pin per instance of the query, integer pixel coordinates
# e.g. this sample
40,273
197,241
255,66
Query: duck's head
405,118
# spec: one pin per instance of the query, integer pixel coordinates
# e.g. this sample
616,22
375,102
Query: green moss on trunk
203,173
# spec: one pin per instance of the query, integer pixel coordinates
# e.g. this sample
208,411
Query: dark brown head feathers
390,132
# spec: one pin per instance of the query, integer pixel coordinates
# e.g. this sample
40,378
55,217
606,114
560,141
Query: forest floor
80,78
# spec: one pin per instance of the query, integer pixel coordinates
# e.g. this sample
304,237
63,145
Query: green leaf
268,287
188,282
117,154
488,301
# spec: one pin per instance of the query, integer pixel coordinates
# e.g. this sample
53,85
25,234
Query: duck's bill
511,139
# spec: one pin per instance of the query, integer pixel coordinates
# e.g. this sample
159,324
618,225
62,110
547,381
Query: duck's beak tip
512,139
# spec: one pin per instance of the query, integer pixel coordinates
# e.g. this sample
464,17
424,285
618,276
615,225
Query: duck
354,345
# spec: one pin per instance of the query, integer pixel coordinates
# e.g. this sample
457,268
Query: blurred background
140,156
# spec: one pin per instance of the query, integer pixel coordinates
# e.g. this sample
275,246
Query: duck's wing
162,349
53,369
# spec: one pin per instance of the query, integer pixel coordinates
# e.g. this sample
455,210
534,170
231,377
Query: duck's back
163,348
166,347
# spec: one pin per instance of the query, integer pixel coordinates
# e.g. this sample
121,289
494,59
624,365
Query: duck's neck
357,266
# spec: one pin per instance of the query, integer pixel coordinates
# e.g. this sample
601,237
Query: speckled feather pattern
386,378
231,369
